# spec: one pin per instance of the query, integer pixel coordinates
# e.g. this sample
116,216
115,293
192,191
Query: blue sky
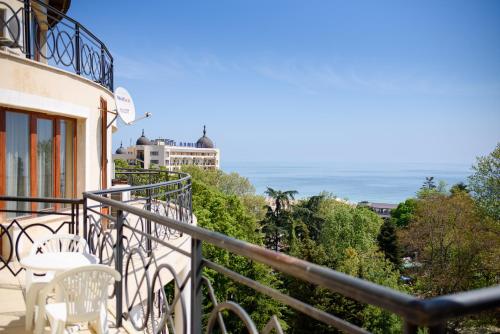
352,81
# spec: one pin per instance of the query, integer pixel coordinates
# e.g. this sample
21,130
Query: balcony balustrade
45,34
147,232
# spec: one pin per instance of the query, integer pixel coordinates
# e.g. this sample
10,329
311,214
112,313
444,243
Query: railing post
119,266
180,200
103,66
149,244
190,201
78,219
111,75
27,28
196,284
85,219
72,228
77,49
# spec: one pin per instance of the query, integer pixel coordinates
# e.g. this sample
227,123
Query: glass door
45,159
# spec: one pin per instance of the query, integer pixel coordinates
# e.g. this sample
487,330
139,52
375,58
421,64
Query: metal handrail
417,311
67,44
70,19
41,199
432,312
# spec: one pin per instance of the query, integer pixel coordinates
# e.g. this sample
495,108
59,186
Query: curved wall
33,86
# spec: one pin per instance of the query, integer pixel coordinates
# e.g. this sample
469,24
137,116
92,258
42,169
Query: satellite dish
124,105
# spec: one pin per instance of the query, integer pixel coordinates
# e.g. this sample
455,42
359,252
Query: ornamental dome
121,149
143,140
205,142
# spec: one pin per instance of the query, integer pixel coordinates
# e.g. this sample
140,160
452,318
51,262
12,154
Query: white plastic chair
53,244
83,294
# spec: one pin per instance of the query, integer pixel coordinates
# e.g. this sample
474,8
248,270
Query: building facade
167,153
55,93
382,209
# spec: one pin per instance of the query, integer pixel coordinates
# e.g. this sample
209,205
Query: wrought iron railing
148,306
148,233
18,234
45,34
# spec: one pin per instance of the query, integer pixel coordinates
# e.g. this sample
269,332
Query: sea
355,182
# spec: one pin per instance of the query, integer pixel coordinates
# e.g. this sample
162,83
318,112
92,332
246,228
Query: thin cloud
324,78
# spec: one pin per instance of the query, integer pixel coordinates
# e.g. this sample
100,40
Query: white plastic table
57,262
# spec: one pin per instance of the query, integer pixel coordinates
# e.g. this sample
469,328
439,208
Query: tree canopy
485,183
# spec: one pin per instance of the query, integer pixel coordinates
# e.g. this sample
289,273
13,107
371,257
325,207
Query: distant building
381,209
167,153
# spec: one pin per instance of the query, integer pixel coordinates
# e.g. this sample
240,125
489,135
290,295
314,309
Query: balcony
39,32
146,231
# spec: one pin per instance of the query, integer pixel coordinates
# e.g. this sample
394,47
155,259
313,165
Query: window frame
33,142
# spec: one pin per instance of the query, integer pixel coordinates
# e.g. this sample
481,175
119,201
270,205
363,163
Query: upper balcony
146,231
37,31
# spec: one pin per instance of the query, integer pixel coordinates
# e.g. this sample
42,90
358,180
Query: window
45,159
155,162
38,157
154,152
66,158
17,159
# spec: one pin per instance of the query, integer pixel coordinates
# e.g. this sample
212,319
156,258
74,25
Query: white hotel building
166,153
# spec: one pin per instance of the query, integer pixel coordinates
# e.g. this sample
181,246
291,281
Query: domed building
167,153
142,140
121,149
205,142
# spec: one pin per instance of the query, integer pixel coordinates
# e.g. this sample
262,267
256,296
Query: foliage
485,183
278,225
455,237
226,214
346,226
429,183
230,184
346,240
430,189
457,245
459,187
388,242
255,204
402,215
121,163
307,211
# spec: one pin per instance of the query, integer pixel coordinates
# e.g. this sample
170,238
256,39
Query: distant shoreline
384,183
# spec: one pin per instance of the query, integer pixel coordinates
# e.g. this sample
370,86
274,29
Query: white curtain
17,159
45,158
66,158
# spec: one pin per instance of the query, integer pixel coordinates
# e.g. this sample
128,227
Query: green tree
121,163
429,188
402,215
459,187
307,212
347,242
278,225
230,184
457,245
388,242
226,214
429,183
485,183
346,226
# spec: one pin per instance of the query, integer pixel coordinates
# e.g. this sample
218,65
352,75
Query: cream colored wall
29,85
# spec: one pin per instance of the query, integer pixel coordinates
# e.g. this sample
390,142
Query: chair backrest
60,243
83,289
